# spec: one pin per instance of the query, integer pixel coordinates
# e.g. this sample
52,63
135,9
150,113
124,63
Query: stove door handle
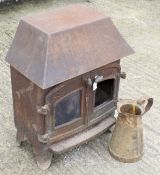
98,78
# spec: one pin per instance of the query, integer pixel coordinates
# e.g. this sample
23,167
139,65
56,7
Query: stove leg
20,137
43,158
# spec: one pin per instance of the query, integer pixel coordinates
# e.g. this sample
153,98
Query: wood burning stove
65,72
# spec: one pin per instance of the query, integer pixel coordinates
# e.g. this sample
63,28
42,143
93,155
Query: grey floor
139,22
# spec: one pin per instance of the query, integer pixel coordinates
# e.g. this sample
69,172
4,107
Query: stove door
67,108
104,93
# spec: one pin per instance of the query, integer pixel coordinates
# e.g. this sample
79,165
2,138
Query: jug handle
147,101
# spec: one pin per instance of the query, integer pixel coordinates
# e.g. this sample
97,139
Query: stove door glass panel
68,108
104,92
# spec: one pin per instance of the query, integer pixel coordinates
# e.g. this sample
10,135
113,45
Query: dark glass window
104,92
68,108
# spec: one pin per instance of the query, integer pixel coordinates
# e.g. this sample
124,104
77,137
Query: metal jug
126,144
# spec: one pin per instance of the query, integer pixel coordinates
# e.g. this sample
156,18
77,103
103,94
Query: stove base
44,152
82,137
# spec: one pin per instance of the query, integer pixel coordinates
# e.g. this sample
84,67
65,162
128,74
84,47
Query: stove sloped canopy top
58,45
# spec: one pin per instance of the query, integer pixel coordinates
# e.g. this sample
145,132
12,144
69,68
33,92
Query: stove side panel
26,98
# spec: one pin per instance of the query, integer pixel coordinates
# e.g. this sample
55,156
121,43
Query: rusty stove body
65,72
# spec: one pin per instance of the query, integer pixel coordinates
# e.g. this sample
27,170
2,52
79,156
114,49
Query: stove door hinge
44,110
123,75
44,138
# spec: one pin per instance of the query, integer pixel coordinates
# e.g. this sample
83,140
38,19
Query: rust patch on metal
24,90
62,45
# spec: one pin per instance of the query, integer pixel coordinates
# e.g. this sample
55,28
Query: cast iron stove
65,72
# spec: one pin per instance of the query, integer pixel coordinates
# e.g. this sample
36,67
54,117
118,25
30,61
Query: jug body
126,144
